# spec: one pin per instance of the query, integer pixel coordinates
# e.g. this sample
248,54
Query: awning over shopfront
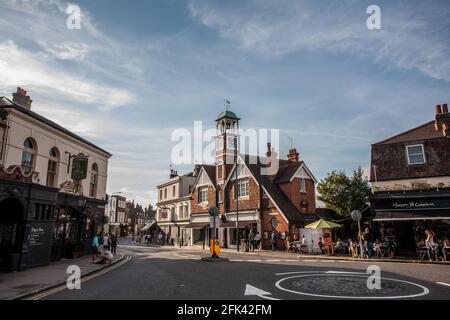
148,226
196,225
408,216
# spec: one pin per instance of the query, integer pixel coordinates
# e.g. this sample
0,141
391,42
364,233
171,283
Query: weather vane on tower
227,103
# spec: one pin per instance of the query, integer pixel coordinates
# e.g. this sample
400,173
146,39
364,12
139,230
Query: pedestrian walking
160,238
430,244
114,242
251,240
106,242
257,242
273,237
94,245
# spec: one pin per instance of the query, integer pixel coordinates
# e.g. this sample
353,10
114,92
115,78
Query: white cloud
21,67
67,50
409,38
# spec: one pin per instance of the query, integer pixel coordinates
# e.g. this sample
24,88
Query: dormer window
415,154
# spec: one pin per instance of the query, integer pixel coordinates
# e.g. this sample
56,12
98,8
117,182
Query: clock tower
227,124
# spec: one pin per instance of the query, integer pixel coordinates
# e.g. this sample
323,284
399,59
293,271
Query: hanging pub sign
79,167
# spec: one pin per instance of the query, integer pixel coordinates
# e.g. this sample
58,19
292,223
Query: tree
344,194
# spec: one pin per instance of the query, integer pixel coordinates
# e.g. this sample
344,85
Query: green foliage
344,194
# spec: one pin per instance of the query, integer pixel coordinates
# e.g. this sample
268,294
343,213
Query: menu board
37,236
39,242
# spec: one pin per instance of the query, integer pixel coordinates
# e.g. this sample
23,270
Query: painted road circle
349,286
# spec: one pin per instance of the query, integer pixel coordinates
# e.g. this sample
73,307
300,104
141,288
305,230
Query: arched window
28,155
94,181
52,170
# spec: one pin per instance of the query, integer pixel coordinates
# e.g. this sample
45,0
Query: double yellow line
44,294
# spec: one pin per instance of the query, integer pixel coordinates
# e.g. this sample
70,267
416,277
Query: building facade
116,211
52,187
173,209
249,194
410,177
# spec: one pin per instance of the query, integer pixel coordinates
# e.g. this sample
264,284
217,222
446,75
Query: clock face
230,143
274,223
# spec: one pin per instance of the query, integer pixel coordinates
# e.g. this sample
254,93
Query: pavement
290,255
35,280
171,273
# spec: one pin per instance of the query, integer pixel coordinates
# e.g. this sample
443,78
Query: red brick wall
253,201
197,208
292,192
266,227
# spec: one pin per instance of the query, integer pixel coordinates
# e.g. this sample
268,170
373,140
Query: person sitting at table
377,247
321,246
352,248
339,247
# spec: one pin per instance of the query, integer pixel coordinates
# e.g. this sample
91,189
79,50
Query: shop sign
412,204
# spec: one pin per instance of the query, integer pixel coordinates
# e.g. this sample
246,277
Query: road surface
169,273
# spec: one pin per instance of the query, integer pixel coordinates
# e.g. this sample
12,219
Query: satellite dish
356,215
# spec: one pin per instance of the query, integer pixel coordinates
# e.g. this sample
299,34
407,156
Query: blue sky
137,70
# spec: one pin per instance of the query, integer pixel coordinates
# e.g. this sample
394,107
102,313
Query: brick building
410,176
281,201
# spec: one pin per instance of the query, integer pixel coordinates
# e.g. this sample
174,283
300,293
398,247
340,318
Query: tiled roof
286,171
275,193
426,131
6,103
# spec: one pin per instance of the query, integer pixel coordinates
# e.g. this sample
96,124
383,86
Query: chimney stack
21,98
293,155
442,122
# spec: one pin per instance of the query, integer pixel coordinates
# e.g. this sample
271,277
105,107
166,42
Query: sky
138,70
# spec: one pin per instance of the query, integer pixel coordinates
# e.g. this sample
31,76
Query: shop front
77,220
26,221
404,217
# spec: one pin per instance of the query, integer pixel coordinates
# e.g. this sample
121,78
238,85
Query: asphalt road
171,274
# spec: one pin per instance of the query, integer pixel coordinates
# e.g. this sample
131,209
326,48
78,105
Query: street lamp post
236,194
356,216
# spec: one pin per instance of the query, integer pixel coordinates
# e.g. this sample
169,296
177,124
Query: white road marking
316,274
253,291
273,260
308,260
253,260
344,272
444,284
